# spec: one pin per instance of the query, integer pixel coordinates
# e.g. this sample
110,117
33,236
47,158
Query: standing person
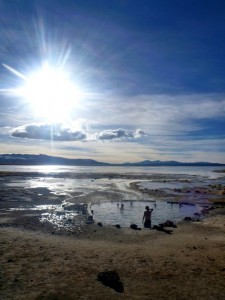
147,217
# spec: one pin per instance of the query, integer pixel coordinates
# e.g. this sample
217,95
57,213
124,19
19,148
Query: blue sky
149,78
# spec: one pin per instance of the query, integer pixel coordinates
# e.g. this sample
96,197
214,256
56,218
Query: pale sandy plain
38,261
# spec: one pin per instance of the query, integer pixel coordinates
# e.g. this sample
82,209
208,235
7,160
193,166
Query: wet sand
40,261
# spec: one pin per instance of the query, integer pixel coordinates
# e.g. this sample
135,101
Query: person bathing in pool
147,217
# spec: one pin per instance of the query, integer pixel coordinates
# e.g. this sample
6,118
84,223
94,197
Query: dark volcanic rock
111,279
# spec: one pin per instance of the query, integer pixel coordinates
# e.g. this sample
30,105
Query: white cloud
47,132
119,134
159,114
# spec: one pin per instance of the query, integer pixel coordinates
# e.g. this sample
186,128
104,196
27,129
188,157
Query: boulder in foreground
111,279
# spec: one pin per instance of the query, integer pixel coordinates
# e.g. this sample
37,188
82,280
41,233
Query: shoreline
39,262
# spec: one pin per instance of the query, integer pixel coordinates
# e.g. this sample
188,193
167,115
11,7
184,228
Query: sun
51,93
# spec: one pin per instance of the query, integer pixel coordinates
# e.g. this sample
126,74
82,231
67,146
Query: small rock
133,226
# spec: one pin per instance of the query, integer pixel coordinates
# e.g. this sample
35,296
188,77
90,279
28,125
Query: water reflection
110,213
62,220
67,216
199,171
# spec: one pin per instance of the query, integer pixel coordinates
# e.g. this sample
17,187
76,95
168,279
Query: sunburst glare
50,91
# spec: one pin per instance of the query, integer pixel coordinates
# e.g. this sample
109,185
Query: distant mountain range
30,159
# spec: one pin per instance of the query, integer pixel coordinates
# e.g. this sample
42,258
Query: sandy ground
188,264
43,264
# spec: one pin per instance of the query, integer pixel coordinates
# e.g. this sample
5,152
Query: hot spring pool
110,213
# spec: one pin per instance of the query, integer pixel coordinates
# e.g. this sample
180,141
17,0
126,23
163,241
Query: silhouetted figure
147,217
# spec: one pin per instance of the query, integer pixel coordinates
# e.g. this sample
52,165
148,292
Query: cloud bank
59,132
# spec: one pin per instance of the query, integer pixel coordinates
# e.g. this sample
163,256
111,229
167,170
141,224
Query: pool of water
111,213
